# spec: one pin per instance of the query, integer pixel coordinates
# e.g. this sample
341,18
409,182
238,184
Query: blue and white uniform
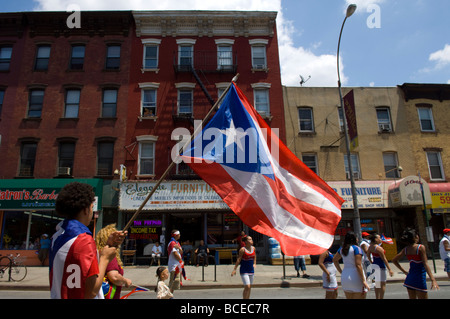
416,278
247,270
350,279
329,265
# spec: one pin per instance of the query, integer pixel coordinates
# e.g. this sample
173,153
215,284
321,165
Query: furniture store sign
370,194
169,195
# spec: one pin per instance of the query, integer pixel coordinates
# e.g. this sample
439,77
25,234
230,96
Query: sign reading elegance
170,195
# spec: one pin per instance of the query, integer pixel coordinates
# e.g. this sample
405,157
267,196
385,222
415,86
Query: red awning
439,187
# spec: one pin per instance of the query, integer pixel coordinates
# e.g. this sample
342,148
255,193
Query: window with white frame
305,119
310,160
185,98
259,58
151,54
186,52
435,165
384,119
261,98
426,118
391,165
148,99
355,166
224,54
146,164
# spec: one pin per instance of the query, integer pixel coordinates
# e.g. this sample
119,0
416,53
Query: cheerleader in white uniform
329,275
353,280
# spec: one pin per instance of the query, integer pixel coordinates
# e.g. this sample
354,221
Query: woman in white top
353,280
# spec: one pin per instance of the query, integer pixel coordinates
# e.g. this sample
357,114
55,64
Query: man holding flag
262,181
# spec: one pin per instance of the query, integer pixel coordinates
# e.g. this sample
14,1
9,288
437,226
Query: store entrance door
189,225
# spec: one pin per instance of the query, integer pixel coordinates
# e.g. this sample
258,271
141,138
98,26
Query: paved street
393,291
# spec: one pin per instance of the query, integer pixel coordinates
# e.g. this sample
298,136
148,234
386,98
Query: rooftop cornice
205,23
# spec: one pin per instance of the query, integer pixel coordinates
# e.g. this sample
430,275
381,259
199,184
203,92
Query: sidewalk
215,277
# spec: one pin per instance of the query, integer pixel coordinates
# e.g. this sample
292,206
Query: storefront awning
40,194
440,196
407,192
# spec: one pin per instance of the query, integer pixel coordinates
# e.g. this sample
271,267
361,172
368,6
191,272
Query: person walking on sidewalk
353,279
380,265
329,275
247,261
444,250
415,282
299,263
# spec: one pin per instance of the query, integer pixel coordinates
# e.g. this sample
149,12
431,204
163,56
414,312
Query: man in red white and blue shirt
76,268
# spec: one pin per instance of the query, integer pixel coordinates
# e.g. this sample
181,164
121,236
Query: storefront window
222,228
15,228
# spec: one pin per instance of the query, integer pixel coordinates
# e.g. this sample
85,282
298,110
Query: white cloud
293,60
441,57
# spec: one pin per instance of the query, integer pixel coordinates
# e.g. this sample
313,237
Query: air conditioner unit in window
384,127
355,175
63,170
259,66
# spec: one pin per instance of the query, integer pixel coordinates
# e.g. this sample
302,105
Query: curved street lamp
356,218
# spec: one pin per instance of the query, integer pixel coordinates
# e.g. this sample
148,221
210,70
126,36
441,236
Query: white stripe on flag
283,221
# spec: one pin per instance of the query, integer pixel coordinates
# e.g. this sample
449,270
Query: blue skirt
416,278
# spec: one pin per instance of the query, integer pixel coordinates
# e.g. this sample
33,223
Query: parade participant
366,261
415,281
353,279
329,275
382,264
76,269
175,262
247,261
444,250
114,279
162,291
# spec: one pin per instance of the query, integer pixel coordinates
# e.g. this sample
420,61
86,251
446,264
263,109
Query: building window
27,159
185,102
391,165
109,104
305,118
151,53
66,158
355,166
42,57
262,101
259,59
105,157
224,57
310,160
77,57
148,102
72,104
113,57
435,166
384,119
186,55
35,103
5,57
426,119
2,96
146,158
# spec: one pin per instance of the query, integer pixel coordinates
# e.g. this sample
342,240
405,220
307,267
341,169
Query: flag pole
163,176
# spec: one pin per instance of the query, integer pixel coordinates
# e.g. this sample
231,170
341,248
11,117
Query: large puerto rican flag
262,181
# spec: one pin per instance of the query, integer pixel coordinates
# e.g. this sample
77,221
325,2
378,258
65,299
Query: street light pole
356,218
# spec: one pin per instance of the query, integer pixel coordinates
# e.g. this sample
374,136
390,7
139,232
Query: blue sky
385,43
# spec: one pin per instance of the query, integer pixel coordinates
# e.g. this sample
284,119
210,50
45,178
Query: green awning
39,194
